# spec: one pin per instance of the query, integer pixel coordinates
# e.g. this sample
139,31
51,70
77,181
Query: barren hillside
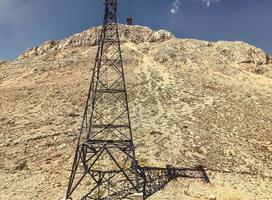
192,102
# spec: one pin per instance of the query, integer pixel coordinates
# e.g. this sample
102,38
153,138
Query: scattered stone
73,115
21,166
62,146
138,196
212,197
160,36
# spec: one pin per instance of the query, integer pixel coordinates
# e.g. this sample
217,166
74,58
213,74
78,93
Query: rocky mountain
192,102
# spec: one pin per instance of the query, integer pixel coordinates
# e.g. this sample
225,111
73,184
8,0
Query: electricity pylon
104,165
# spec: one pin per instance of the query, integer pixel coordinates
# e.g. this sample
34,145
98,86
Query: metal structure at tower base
105,166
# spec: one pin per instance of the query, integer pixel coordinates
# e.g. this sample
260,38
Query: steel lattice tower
104,165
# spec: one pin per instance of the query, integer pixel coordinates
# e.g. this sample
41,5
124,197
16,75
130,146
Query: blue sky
28,23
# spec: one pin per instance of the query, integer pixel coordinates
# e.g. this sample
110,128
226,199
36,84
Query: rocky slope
192,102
